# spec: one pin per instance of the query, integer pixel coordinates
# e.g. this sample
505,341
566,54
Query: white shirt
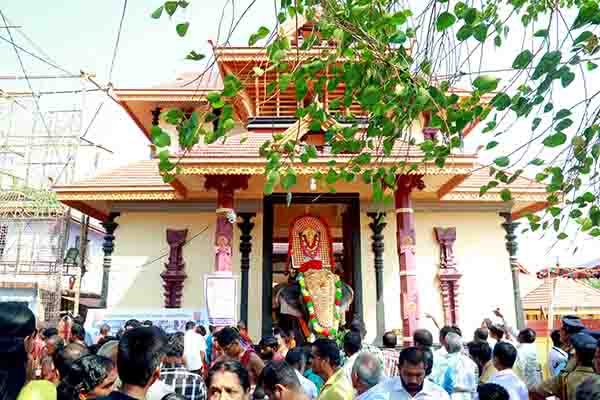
557,360
310,389
392,389
527,366
517,390
193,344
349,364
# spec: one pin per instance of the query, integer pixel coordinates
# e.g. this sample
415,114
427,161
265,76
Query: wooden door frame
350,199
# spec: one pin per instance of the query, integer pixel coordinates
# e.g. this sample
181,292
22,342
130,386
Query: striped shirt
189,385
391,359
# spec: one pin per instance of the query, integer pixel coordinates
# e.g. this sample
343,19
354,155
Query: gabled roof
570,294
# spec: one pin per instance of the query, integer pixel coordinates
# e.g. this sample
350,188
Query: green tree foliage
398,62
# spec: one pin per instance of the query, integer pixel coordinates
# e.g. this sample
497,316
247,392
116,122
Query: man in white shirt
411,384
557,358
194,347
505,356
366,372
528,367
296,358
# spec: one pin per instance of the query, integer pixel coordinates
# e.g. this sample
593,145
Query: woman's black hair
84,375
16,323
230,366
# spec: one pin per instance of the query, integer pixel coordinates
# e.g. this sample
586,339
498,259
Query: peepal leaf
157,13
194,56
486,83
555,140
444,21
523,60
182,28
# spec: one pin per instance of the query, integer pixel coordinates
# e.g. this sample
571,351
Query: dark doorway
342,212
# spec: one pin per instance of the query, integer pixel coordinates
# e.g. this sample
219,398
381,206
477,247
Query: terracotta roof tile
569,294
481,177
140,174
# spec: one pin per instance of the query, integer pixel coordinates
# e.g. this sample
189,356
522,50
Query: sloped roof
206,79
142,175
481,177
569,294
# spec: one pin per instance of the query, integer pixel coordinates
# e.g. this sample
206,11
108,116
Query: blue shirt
314,378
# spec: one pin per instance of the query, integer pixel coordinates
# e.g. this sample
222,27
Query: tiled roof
569,294
140,174
248,145
481,177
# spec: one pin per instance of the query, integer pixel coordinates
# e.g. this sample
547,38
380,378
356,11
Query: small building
439,250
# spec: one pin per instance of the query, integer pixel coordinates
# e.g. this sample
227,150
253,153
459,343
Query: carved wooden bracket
449,275
174,275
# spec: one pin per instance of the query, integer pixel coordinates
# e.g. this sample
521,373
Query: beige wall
141,238
481,256
479,251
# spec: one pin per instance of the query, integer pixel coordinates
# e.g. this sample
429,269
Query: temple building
441,249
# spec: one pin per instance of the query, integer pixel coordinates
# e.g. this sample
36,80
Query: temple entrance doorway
341,212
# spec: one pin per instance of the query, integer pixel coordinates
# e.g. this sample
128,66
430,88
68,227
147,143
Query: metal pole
83,241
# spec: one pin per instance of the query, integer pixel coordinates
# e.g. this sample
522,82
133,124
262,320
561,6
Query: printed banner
221,293
169,319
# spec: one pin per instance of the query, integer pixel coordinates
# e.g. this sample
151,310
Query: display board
169,319
221,294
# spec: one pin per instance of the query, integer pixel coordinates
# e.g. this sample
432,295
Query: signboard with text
169,319
221,294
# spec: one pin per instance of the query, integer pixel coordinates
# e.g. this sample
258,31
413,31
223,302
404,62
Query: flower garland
312,318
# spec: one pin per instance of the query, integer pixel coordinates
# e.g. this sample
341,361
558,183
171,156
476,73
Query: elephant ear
347,296
292,296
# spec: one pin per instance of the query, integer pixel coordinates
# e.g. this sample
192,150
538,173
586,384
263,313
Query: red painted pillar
225,186
405,220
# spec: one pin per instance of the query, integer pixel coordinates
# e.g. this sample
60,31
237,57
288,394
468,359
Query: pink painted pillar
406,240
225,185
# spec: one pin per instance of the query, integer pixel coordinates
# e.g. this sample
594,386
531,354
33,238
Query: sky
81,35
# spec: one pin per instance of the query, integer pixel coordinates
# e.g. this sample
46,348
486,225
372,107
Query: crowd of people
141,361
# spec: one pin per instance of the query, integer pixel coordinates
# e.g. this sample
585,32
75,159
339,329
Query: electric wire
116,48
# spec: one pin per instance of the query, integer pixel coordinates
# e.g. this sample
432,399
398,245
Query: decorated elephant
314,297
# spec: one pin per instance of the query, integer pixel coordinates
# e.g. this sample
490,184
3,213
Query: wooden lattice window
3,238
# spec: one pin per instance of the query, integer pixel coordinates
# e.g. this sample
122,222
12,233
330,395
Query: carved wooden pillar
225,185
174,274
377,227
511,246
449,275
246,226
406,241
155,115
108,246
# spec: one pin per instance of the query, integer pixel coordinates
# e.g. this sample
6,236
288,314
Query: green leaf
192,55
491,145
470,15
547,64
555,140
486,83
548,107
183,3
213,97
537,162
444,21
162,139
586,14
505,195
583,37
231,85
182,28
566,77
562,113
370,95
170,7
398,38
564,124
262,33
284,81
562,236
591,66
502,161
541,33
157,13
258,71
536,122
523,60
501,101
480,32
575,213
289,179
398,18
